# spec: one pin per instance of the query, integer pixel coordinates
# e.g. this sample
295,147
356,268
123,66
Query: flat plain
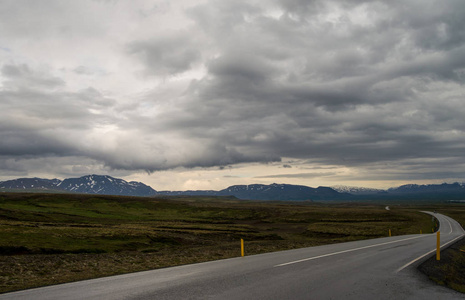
55,238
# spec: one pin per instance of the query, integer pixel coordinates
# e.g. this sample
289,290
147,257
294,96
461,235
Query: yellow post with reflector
438,246
242,247
389,232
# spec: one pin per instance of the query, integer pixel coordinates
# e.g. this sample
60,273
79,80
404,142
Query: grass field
54,238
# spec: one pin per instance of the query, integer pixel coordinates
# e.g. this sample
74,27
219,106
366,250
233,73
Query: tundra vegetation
54,238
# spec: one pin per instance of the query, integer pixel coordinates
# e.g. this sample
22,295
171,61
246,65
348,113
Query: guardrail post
438,246
242,247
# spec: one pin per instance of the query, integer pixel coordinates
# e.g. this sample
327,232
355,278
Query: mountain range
107,185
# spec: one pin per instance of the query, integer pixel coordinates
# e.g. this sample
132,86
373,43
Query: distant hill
429,188
273,191
426,192
282,192
444,191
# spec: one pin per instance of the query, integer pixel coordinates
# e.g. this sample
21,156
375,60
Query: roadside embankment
450,269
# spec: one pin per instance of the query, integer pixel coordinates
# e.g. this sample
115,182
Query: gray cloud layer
372,84
166,55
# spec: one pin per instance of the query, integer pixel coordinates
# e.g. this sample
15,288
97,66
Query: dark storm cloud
132,154
339,92
347,93
17,142
365,84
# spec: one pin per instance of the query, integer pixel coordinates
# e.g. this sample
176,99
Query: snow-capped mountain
356,190
90,184
102,184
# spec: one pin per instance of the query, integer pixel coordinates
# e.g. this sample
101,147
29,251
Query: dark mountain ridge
283,191
286,192
30,183
444,191
429,188
103,184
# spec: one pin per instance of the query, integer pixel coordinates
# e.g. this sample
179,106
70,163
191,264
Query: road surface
383,268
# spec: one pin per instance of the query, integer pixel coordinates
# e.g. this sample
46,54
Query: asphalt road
383,268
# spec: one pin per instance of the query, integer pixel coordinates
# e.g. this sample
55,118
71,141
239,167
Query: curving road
383,268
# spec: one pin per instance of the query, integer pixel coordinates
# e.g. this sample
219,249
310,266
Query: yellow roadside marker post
421,232
438,246
389,232
242,247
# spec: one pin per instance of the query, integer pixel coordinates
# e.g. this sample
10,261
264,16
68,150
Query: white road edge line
418,258
349,250
450,225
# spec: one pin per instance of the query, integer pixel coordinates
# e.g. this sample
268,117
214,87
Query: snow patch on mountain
356,190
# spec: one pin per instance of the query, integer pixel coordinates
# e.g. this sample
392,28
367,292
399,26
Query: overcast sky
207,94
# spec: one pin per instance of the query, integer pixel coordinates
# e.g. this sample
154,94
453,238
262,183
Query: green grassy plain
53,238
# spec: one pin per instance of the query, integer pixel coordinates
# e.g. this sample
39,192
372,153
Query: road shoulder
450,270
